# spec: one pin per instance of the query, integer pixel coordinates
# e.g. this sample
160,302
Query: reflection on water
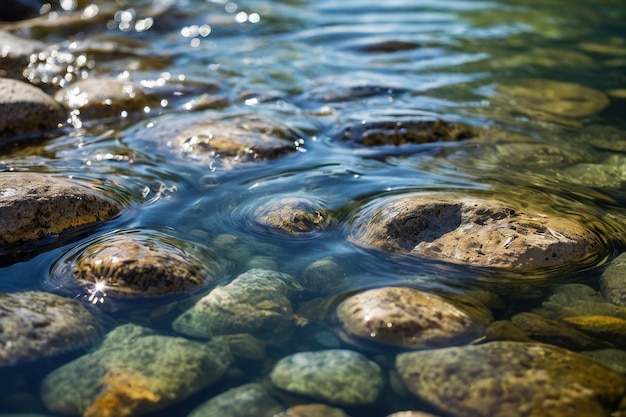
329,103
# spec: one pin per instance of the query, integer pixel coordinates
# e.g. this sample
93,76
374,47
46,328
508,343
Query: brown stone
473,231
290,216
511,379
408,318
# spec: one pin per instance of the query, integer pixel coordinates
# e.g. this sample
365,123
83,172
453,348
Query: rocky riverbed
312,209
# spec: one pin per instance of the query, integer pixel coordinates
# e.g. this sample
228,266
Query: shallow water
320,67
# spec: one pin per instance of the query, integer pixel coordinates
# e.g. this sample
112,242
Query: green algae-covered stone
134,372
244,401
511,379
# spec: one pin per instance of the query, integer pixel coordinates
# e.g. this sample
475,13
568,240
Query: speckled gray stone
613,281
15,53
35,325
408,318
25,109
511,379
323,277
335,376
256,302
34,205
244,401
134,372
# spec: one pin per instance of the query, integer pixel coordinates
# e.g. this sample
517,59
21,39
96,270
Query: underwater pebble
312,410
134,372
336,376
610,329
244,401
613,281
511,379
33,206
323,277
36,325
25,109
408,318
289,217
612,358
256,302
472,231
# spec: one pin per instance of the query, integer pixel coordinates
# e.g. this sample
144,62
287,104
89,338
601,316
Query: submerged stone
403,132
36,325
27,110
134,372
561,99
408,318
312,410
336,376
611,329
613,281
244,401
34,206
473,231
96,98
256,302
323,277
511,379
290,217
132,263
612,358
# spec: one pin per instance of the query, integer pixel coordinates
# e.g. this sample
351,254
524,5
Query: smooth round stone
312,410
25,109
335,376
132,263
15,54
322,277
36,325
473,231
134,372
511,379
612,358
244,401
611,329
394,132
408,318
561,99
96,98
33,206
613,281
289,217
256,302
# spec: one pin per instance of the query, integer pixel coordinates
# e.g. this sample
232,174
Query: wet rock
566,294
15,54
26,110
322,277
611,329
224,143
611,358
609,174
511,379
506,330
246,400
472,231
33,206
555,332
36,325
244,346
408,318
95,98
568,100
134,263
613,281
336,376
403,132
580,308
290,217
312,410
134,372
256,302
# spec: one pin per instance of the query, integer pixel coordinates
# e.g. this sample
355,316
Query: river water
321,68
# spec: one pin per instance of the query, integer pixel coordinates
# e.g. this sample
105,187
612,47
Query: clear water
320,67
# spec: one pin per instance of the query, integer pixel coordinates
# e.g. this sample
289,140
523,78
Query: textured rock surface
610,329
612,358
134,372
136,264
35,325
33,206
244,401
323,277
312,410
408,318
25,109
472,231
336,376
613,281
99,98
15,54
511,379
290,217
256,302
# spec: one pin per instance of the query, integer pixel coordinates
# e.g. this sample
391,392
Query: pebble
244,401
613,281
